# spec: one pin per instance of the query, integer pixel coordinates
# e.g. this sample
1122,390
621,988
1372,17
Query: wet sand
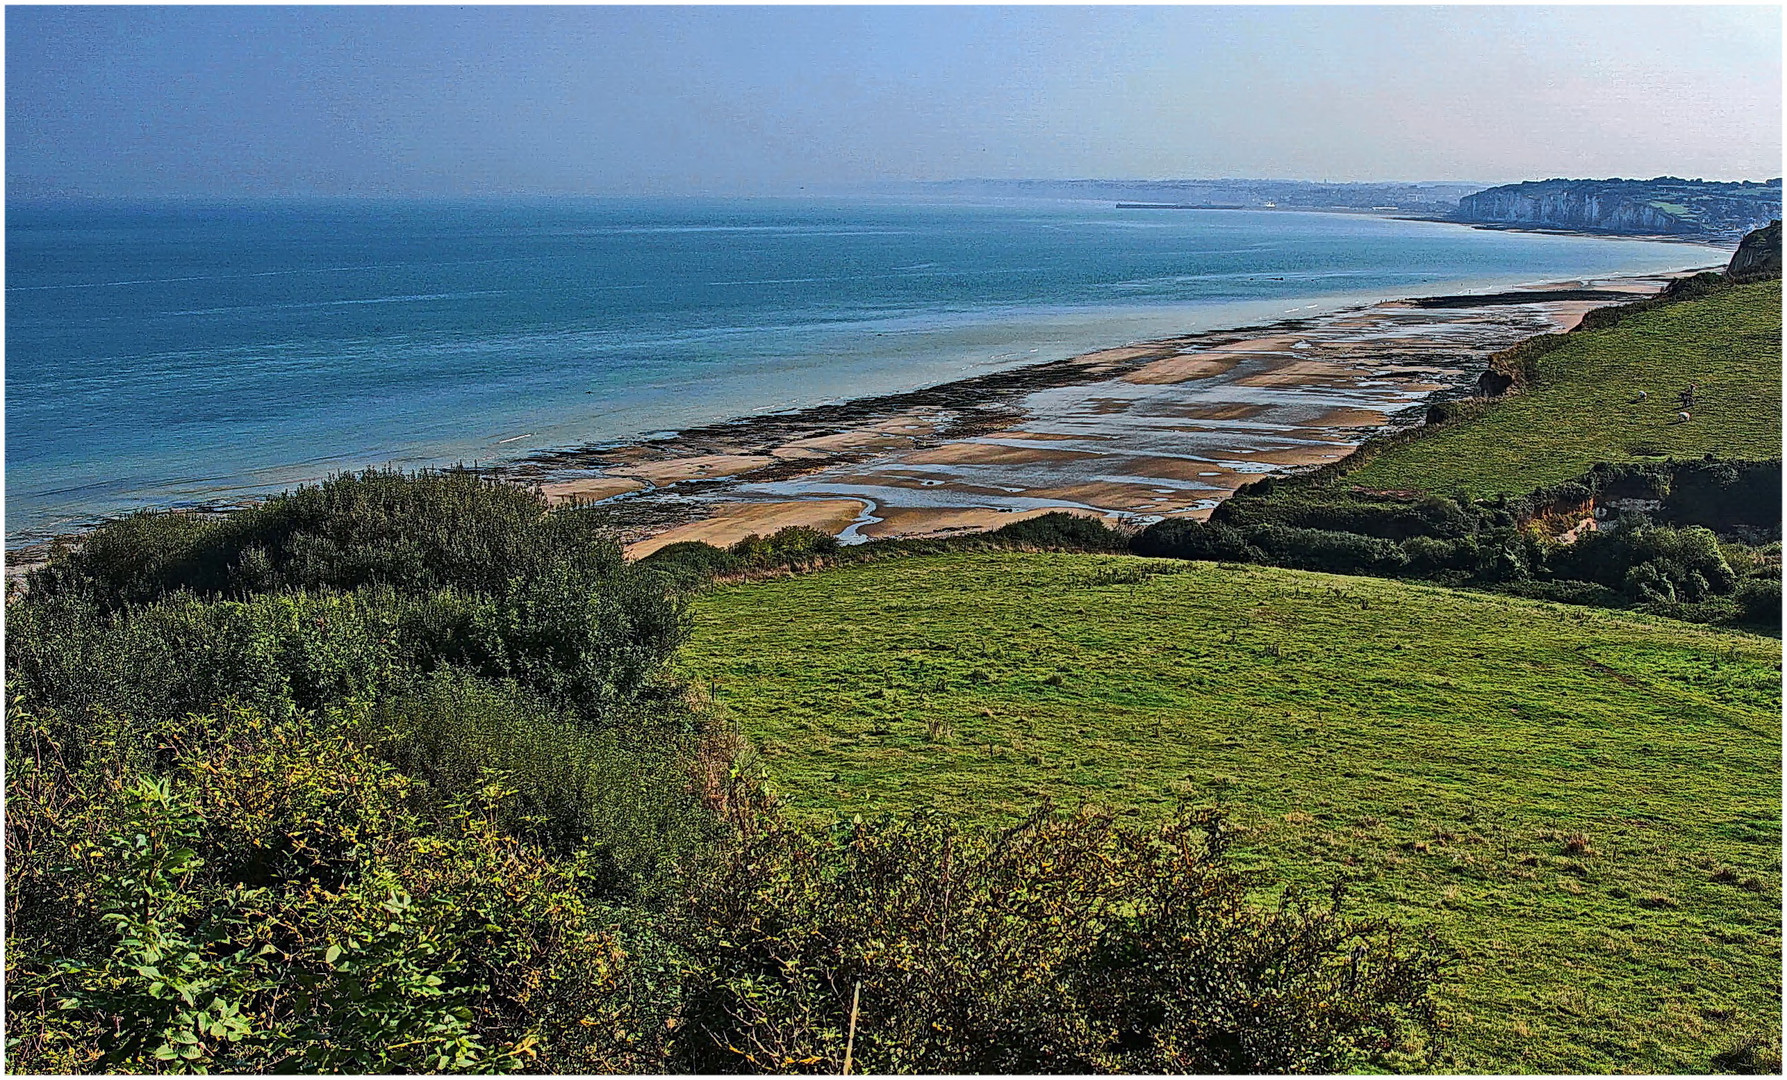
732,521
1130,434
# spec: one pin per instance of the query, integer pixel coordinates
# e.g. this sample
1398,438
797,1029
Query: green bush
1183,538
1656,564
417,532
1061,531
622,798
1427,554
596,650
1759,600
159,662
1320,549
1382,516
137,558
691,563
273,903
1062,945
793,545
1675,568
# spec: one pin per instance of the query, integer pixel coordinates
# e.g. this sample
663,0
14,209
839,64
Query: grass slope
1439,748
1580,410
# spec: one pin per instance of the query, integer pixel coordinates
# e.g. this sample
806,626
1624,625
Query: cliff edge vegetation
1611,395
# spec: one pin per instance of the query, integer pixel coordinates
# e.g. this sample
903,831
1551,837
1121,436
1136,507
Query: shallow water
171,353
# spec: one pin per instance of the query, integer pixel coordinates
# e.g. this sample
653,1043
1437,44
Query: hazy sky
370,100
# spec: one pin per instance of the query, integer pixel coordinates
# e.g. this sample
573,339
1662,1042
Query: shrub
161,661
1334,552
1724,495
691,563
1184,538
797,542
594,648
1759,602
588,641
1061,531
137,558
415,532
622,798
1387,517
1427,554
1657,564
274,904
1451,411
1061,945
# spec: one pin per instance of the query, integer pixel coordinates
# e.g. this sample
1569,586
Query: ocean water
166,354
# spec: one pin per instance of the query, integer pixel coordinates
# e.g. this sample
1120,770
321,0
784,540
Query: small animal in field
1643,395
1682,417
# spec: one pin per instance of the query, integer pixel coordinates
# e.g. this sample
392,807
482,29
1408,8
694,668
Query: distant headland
1666,206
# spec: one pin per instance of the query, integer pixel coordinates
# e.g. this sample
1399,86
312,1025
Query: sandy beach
1137,432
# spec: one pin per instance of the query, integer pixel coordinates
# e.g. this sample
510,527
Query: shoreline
762,471
1138,432
1715,242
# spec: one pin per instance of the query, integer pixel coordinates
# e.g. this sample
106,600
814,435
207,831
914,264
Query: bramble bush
273,901
1064,944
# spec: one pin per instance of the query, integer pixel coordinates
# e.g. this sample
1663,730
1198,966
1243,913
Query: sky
276,101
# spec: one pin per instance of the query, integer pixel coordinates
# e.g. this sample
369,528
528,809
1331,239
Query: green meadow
1584,804
1581,409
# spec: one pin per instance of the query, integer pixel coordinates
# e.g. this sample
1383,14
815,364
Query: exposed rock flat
1140,432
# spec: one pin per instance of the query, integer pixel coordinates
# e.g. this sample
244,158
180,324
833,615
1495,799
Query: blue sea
178,353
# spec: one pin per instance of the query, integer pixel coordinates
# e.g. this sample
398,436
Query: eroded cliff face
1759,256
1665,206
1570,210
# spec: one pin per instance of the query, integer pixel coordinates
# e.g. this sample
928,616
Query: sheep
1643,395
1682,417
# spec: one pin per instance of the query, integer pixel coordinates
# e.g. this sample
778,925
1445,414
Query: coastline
1080,434
1716,242
1133,433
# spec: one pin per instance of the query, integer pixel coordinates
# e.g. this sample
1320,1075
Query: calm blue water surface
161,354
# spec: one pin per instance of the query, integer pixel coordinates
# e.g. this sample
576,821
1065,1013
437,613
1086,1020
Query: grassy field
1580,408
1586,805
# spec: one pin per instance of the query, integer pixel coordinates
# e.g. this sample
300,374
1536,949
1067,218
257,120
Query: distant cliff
1435,198
1667,206
1759,256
